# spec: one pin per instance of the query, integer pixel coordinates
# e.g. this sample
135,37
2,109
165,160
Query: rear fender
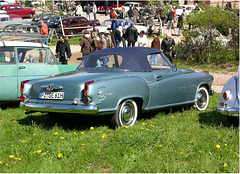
108,94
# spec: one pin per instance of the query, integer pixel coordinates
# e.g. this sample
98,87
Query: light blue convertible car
121,82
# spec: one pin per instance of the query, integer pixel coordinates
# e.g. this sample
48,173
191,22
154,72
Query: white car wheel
202,99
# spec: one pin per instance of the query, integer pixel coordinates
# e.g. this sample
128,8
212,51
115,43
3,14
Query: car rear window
102,61
7,55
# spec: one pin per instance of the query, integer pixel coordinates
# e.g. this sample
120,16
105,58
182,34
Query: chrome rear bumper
59,108
228,111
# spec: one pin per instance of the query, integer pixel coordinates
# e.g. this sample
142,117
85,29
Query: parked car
110,6
121,82
21,61
107,24
229,99
51,20
6,19
18,9
30,33
77,24
127,5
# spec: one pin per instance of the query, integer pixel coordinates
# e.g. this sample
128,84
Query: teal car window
7,55
102,61
31,55
52,59
157,61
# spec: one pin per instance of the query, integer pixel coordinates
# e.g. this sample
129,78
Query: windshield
102,61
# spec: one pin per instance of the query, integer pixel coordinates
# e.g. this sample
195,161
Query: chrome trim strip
59,108
228,111
169,105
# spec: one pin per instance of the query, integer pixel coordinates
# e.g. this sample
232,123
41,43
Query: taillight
227,94
85,91
22,98
22,85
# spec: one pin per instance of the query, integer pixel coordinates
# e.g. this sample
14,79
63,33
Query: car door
84,24
171,84
33,64
11,10
8,74
20,11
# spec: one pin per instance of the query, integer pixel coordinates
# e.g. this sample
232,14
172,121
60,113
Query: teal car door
34,63
172,85
8,74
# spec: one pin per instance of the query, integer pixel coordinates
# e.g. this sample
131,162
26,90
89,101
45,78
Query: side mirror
174,67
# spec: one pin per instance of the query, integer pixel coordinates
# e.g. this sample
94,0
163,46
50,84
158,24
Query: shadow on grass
215,118
77,122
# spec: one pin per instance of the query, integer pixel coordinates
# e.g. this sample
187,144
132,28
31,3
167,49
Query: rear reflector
22,85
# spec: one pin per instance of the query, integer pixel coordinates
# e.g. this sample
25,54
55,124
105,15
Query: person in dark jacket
170,19
117,37
85,43
167,46
106,7
63,50
88,11
180,24
155,44
130,12
131,35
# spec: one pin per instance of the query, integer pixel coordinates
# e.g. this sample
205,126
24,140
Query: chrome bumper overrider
59,108
228,111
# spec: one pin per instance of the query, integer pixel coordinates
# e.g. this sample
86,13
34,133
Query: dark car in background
51,19
18,9
77,24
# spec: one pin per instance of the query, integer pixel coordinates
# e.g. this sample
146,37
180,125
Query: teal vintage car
21,61
121,82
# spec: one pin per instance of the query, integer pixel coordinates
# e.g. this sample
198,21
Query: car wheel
202,99
126,114
72,32
30,15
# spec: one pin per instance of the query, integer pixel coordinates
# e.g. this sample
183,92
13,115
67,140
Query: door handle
158,77
21,67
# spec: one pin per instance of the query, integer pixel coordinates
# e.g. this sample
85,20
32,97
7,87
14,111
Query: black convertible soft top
134,58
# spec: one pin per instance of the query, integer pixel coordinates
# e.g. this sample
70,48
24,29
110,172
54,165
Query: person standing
180,24
131,35
88,11
106,7
130,13
63,50
125,25
123,14
155,44
94,10
135,12
113,28
44,32
117,37
170,19
95,42
79,10
85,43
142,39
167,46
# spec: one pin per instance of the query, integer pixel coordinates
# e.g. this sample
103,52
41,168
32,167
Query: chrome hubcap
201,99
127,114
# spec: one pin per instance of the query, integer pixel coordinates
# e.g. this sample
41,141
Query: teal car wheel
126,114
202,99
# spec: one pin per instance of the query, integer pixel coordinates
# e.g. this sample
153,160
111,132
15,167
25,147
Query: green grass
71,40
224,68
178,140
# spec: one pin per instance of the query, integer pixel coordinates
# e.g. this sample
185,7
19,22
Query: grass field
174,140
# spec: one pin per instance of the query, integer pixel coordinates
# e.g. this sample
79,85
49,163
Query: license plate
51,95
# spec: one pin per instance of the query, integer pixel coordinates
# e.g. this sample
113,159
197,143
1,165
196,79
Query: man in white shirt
94,10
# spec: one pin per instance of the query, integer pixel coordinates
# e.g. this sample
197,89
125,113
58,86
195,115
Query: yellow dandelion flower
60,155
44,153
75,133
23,141
49,143
34,134
55,133
13,121
11,156
125,126
18,159
218,146
130,135
172,116
153,126
29,139
147,129
226,145
6,164
194,106
83,144
181,153
82,133
225,165
104,136
35,151
1,121
160,145
91,128
0,162
143,124
39,151
70,150
62,138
